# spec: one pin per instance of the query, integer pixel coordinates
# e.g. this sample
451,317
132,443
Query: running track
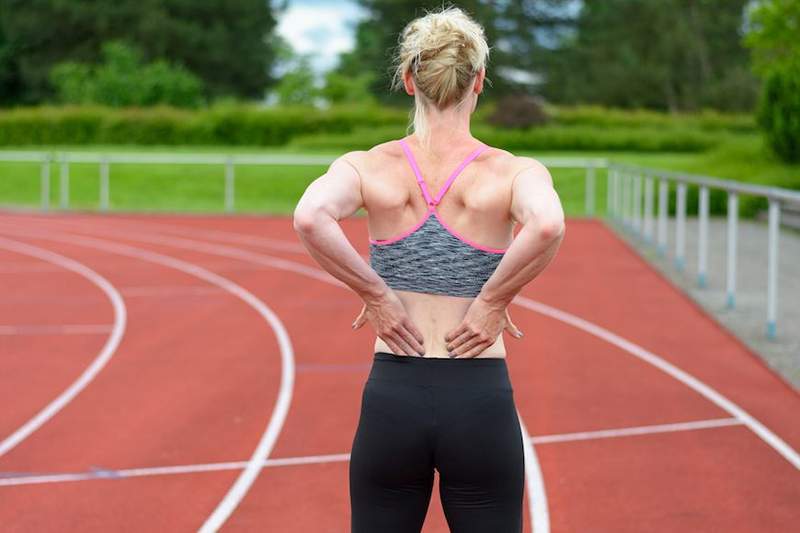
173,373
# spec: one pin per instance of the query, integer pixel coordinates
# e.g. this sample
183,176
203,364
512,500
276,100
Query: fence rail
226,161
625,199
637,197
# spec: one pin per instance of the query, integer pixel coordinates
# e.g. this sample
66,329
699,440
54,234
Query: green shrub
122,80
779,110
547,138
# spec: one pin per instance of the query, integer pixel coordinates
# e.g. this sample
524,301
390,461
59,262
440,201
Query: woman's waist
472,373
436,348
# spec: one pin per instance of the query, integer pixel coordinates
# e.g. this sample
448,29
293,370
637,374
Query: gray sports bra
430,257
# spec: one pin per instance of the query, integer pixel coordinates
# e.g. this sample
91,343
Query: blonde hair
444,50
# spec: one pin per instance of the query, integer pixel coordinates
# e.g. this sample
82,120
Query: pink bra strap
434,201
417,173
457,171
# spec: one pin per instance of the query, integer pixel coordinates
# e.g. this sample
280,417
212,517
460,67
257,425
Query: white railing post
637,203
680,227
772,268
589,192
230,190
733,216
64,186
648,208
702,236
610,191
104,185
626,198
663,207
45,183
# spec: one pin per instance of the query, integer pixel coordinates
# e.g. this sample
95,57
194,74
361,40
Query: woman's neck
447,128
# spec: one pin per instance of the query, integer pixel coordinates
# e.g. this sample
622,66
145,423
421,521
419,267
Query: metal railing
637,197
630,200
228,162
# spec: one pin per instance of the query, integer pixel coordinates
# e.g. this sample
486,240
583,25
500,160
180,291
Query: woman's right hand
392,324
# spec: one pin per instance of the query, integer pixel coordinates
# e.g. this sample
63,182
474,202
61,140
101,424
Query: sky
322,28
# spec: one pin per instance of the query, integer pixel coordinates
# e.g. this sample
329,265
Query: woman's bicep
337,192
533,197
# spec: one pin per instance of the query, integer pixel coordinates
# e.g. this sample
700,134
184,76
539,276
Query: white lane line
775,442
56,329
25,268
208,234
705,390
169,290
534,479
106,352
264,448
8,479
637,430
536,496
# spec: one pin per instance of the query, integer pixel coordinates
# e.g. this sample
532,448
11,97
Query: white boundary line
775,442
698,386
536,494
237,492
106,352
9,479
637,430
56,329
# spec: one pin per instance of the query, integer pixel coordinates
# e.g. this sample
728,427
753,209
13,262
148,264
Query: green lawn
275,189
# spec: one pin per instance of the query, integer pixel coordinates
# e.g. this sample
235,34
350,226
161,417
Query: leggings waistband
490,372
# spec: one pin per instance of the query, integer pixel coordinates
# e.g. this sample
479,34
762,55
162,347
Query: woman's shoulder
373,158
505,163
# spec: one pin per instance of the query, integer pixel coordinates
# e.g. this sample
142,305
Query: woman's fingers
468,344
392,345
512,328
361,318
475,350
453,334
411,340
466,335
414,331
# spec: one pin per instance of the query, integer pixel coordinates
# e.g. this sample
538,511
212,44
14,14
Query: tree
517,31
671,54
224,42
122,80
776,58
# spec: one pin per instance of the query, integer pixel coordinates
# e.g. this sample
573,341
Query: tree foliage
123,80
223,42
774,41
665,54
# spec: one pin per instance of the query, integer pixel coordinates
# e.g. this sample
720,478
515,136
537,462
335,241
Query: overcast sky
323,28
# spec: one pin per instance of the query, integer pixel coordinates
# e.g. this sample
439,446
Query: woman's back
439,222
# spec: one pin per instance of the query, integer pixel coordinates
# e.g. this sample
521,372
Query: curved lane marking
242,484
106,352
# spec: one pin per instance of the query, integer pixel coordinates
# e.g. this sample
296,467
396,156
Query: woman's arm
331,197
534,204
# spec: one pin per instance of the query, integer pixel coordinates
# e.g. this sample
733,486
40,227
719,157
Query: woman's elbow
552,229
304,220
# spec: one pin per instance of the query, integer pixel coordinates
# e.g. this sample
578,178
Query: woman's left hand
479,329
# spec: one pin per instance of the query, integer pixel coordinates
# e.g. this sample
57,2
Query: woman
444,266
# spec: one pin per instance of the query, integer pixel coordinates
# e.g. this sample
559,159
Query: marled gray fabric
434,261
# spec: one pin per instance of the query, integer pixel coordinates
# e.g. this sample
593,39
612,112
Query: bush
779,110
122,80
218,125
545,138
518,111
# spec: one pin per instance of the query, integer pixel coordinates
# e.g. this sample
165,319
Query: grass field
276,188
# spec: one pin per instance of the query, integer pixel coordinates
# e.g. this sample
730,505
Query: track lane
275,421
548,329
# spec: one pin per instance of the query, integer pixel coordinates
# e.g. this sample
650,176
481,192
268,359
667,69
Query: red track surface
198,373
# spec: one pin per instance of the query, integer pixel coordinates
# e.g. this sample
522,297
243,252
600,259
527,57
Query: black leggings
454,415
